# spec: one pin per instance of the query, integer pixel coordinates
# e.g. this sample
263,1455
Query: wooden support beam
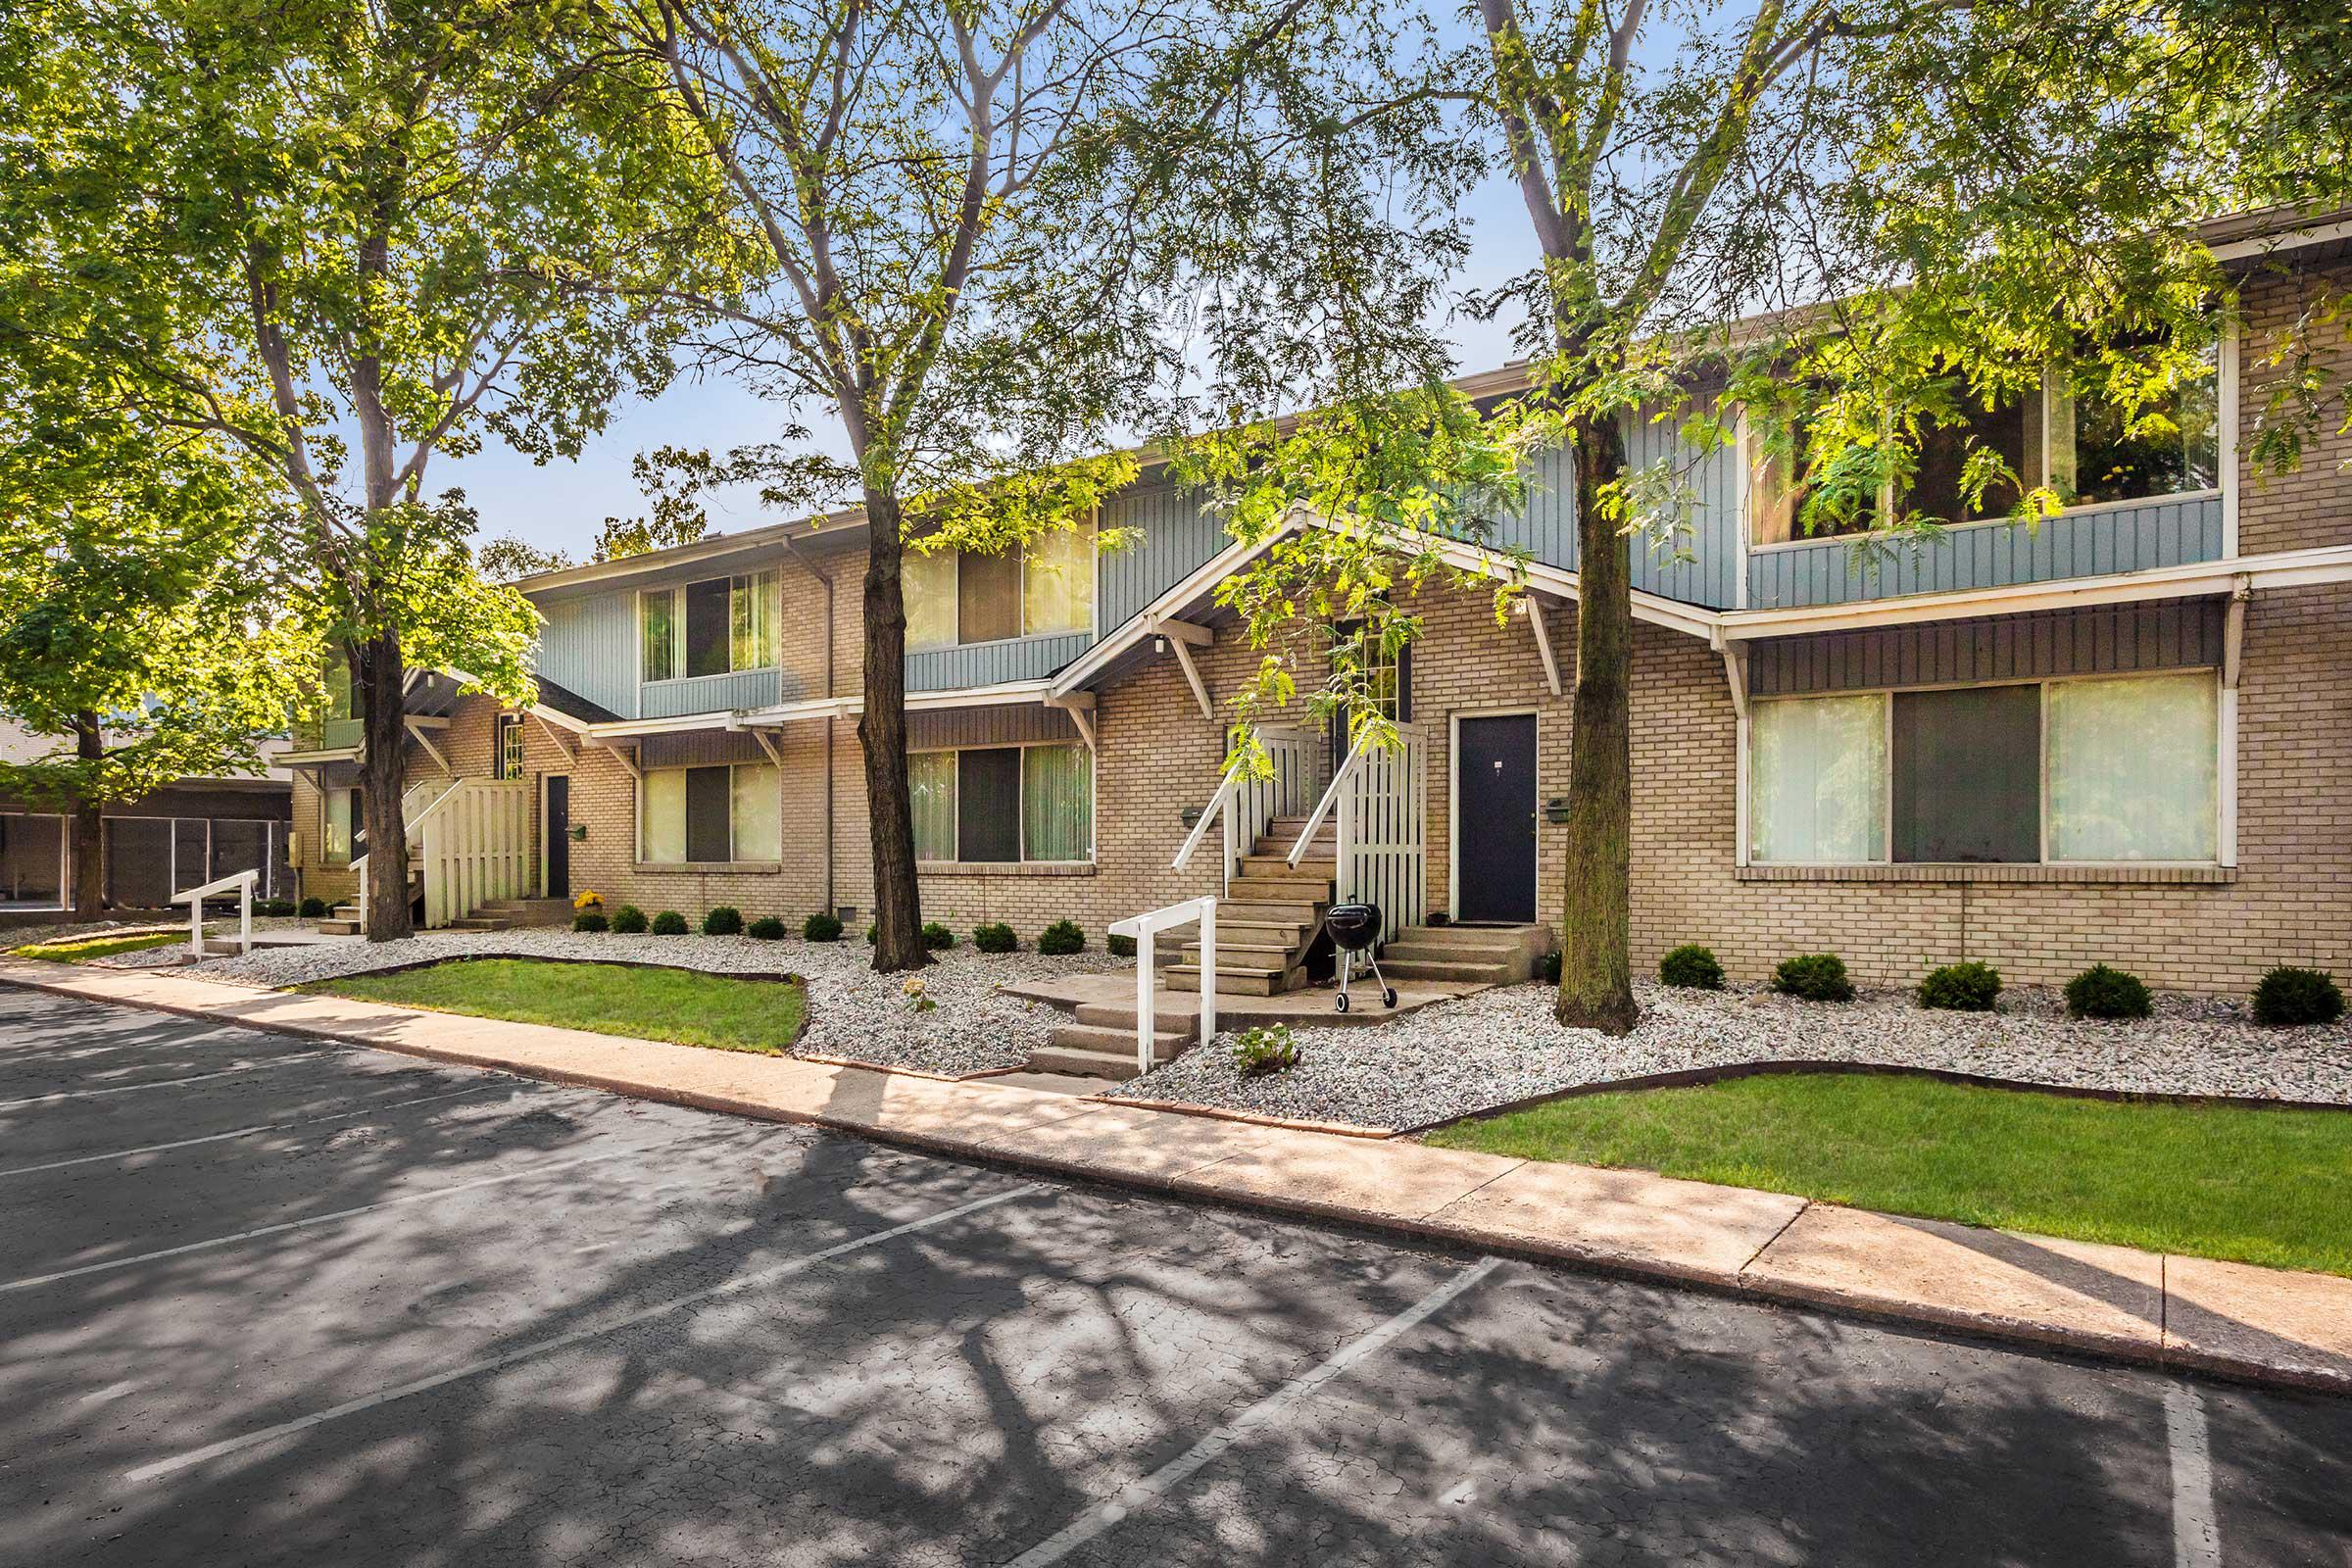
1192,673
434,752
1179,631
569,742
1551,664
768,746
1080,706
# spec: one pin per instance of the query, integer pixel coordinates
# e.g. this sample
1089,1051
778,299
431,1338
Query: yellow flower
913,986
589,899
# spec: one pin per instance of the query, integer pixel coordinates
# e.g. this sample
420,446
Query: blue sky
558,505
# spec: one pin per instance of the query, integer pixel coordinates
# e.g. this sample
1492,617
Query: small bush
725,921
590,921
669,923
767,928
1815,977
2099,991
935,936
273,907
1961,988
629,920
994,936
1062,939
1121,947
312,908
1691,966
823,928
872,932
2286,997
1548,967
1262,1049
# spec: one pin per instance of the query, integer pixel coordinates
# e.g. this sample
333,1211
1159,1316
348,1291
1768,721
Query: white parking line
2197,1534
241,1132
283,1226
160,1083
491,1363
1142,1494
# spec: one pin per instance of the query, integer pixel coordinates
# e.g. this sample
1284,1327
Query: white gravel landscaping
1494,1048
853,1014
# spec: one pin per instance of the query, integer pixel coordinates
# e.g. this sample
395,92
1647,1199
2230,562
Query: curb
1991,1328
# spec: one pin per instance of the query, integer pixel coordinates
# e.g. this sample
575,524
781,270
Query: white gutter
1011,691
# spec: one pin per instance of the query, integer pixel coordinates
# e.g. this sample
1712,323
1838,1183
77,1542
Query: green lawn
74,950
2268,1187
692,1009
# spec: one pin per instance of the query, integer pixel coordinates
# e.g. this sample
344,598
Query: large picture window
997,805
714,627
1048,590
716,815
32,860
2095,770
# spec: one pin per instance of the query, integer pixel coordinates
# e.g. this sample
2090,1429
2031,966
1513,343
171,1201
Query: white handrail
1323,807
243,882
1143,928
1217,805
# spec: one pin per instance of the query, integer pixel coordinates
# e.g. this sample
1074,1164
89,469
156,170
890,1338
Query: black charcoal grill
1355,929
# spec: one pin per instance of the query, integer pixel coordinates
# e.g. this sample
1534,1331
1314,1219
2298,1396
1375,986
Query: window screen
665,816
1967,774
988,598
758,813
138,861
658,655
988,805
931,783
32,851
709,808
708,626
929,584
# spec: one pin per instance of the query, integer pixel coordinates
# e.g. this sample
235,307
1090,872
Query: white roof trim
1011,691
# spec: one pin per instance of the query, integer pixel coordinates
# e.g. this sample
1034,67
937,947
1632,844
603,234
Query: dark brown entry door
558,836
1495,818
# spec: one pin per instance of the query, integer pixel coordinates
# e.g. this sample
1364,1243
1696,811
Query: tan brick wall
2311,505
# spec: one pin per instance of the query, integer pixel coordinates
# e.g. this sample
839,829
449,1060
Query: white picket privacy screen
473,846
1379,801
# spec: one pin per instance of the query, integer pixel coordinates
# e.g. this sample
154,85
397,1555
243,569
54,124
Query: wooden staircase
350,921
1270,915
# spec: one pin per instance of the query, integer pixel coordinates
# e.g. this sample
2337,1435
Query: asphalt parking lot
265,1300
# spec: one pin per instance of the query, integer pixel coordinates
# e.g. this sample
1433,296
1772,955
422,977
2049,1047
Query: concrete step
482,922
1240,982
1413,949
1471,973
1263,933
1278,865
1244,954
1114,1066
338,927
528,911
1101,1052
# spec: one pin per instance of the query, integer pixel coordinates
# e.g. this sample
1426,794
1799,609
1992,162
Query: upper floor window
2071,434
711,627
337,676
956,597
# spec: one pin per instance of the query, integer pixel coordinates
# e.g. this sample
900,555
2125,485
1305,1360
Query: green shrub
1548,967
935,936
1264,1049
1814,976
312,908
726,921
1968,987
629,920
2099,991
1691,966
767,928
1062,939
994,936
872,932
669,923
590,921
2286,997
1120,947
273,907
823,928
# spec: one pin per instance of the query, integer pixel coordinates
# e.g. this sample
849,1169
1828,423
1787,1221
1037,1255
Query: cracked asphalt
265,1300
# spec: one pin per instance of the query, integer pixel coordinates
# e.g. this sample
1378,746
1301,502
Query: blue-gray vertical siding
588,646
2169,532
716,694
939,669
1177,537
1009,725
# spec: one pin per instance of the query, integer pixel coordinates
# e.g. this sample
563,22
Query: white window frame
2225,769
683,767
676,594
505,726
1091,629
1093,814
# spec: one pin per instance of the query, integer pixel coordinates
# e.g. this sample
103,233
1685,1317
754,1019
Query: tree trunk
88,895
1597,990
882,735
378,676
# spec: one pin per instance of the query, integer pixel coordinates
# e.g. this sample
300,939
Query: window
2100,451
341,827
2097,770
988,598
1938,490
713,627
1776,496
998,804
953,597
32,860
2133,769
724,813
338,690
507,763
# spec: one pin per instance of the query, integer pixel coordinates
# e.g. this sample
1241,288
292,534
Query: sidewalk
2261,1325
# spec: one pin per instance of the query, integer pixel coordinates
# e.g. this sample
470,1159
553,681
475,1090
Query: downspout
831,721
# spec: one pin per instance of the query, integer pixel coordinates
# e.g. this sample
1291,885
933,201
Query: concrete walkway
2261,1325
